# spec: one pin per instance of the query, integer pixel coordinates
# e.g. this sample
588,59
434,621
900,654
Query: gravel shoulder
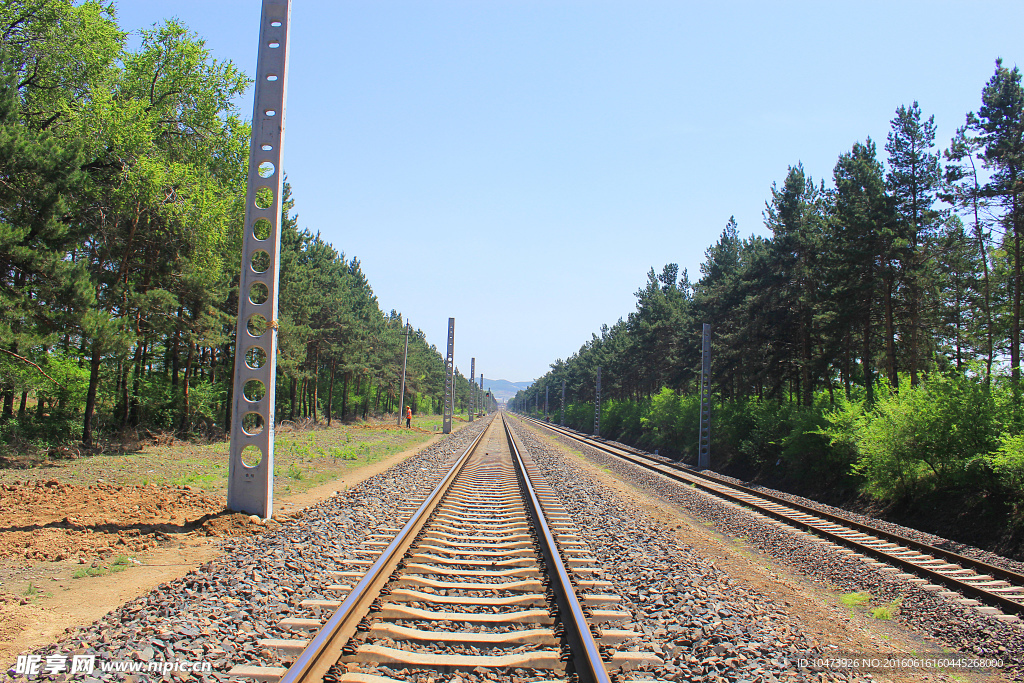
40,600
216,612
736,554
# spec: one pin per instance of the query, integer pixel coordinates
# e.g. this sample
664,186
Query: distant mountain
503,389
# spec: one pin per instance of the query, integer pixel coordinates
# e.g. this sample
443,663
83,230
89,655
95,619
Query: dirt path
819,610
40,600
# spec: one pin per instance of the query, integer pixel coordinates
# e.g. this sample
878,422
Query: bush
935,435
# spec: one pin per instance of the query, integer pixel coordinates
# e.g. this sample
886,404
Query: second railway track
487,573
993,590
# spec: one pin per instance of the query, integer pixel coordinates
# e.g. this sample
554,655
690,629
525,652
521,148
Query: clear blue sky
557,150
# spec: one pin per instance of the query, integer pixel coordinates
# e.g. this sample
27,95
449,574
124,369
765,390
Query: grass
886,612
855,599
31,591
118,564
302,459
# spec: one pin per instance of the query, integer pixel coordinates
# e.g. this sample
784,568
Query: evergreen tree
912,182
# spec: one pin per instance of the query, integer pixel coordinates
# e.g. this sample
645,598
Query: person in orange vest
408,416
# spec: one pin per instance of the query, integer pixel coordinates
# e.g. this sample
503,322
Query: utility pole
546,389
704,444
251,454
472,388
405,361
561,422
486,407
449,380
597,404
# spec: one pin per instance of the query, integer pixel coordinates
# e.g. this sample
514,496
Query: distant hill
503,389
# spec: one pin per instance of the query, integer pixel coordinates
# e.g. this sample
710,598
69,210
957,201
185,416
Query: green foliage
887,612
1007,461
934,435
122,184
855,599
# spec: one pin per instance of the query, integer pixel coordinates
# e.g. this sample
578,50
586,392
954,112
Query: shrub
937,434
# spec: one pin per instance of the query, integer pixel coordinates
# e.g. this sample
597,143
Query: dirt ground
819,610
71,552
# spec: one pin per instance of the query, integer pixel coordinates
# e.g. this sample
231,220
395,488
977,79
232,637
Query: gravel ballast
956,626
706,626
218,612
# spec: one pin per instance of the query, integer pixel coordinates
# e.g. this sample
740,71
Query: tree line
884,306
122,187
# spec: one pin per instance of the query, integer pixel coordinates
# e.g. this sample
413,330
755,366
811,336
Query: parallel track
487,572
1000,589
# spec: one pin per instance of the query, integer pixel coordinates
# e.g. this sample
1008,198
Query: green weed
886,612
120,563
294,472
855,599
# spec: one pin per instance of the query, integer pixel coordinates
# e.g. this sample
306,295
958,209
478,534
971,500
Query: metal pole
251,454
597,404
472,387
561,422
704,444
405,361
546,390
484,398
449,383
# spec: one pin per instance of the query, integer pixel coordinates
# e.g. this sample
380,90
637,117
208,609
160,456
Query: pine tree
912,181
999,125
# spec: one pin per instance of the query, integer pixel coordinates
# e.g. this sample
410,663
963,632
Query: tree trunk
330,392
90,397
1015,322
866,359
229,405
890,334
140,364
291,413
186,407
806,352
344,395
175,357
316,381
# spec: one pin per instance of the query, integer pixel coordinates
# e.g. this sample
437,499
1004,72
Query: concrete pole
405,361
472,388
561,423
704,443
449,383
251,453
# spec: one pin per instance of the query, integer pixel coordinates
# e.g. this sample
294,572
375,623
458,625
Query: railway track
992,590
487,574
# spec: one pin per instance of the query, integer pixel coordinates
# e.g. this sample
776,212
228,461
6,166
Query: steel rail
324,650
687,475
587,658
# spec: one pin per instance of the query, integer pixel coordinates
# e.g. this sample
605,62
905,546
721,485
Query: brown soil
818,609
70,553
54,521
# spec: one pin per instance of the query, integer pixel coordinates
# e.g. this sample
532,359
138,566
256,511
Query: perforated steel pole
597,404
561,422
405,361
704,445
472,388
251,454
546,390
449,382
482,396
